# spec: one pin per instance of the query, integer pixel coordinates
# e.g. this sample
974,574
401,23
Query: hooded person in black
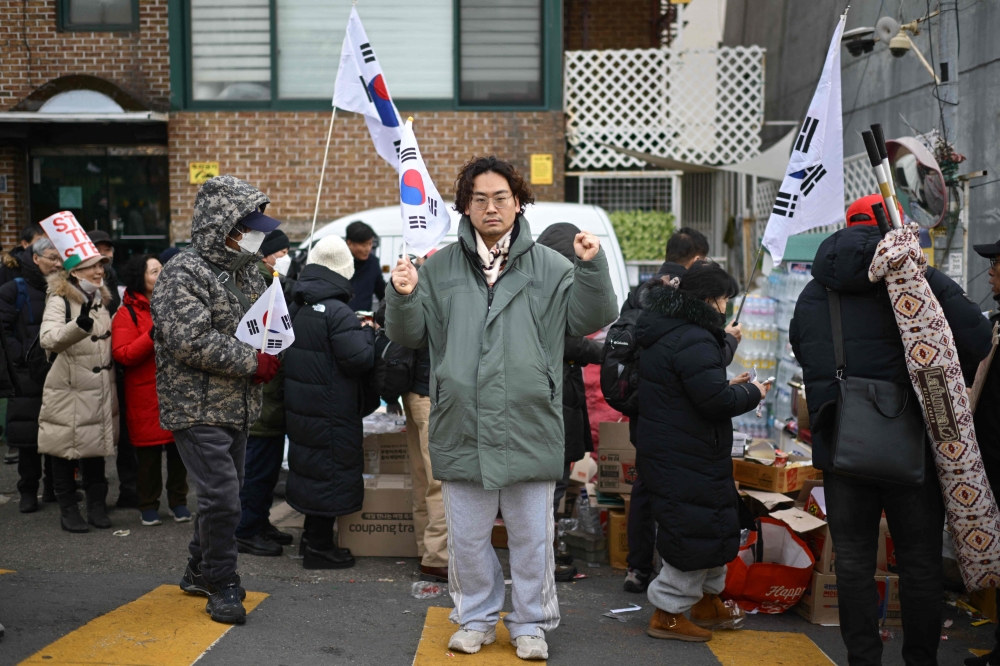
323,371
874,349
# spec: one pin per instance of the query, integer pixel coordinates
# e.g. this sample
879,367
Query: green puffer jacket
272,411
496,354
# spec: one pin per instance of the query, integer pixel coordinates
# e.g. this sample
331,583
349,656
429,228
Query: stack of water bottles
784,285
757,350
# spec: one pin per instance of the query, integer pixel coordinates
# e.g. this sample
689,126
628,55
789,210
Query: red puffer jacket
132,347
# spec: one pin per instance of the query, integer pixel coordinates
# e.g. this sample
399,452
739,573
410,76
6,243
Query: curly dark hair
133,274
480,165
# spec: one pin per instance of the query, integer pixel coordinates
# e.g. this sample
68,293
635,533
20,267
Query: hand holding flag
267,326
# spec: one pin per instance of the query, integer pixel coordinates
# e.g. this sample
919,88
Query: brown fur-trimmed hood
59,285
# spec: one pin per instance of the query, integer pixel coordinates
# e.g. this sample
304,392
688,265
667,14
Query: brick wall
281,153
610,24
33,52
12,216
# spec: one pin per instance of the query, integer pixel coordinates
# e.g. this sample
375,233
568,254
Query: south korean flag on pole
361,88
425,219
812,193
267,326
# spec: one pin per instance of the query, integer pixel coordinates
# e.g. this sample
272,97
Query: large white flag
361,88
425,218
812,193
277,322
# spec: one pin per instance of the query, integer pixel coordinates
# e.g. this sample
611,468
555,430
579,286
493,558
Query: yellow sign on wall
202,171
541,169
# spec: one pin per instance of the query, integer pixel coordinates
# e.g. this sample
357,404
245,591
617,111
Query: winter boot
224,603
70,517
28,504
330,558
48,494
714,613
675,626
97,511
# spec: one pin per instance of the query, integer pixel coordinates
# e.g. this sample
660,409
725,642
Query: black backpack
394,366
620,365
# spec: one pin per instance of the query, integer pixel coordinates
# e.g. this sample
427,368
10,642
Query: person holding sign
208,381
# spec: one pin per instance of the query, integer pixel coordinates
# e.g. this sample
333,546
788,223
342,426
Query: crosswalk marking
766,648
433,648
164,627
6,571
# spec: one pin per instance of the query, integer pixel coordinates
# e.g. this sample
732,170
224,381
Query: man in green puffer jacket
494,310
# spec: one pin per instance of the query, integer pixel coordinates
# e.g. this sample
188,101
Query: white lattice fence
703,106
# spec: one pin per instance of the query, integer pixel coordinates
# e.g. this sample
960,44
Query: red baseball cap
861,213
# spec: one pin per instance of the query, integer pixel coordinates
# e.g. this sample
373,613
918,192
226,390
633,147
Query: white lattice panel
703,106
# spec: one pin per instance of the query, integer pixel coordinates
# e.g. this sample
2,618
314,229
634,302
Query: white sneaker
471,641
531,647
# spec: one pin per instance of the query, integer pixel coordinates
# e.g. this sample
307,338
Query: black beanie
274,242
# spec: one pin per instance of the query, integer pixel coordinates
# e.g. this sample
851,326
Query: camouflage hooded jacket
203,373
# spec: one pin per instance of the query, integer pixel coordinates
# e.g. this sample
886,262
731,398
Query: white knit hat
332,252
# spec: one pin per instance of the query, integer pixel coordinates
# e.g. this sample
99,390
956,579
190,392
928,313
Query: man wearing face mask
207,381
266,442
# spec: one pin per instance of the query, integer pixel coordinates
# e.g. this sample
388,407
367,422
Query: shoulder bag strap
228,279
837,326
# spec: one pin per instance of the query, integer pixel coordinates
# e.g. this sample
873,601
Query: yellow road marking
766,648
979,653
5,571
164,627
433,648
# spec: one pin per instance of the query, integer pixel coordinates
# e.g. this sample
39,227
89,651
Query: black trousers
641,529
150,478
318,531
63,473
916,520
30,466
261,471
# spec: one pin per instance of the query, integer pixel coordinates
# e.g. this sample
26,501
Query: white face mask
282,264
89,287
251,241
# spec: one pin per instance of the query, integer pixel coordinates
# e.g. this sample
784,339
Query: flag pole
267,314
319,190
753,273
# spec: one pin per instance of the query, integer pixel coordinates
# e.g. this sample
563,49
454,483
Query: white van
388,225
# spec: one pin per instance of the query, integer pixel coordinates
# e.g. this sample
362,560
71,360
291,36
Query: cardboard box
384,526
583,470
985,602
386,454
616,459
819,604
775,479
618,539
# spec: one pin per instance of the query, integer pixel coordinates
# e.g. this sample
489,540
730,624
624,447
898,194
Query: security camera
859,41
900,45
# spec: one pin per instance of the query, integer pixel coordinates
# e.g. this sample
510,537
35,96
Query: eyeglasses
49,257
501,202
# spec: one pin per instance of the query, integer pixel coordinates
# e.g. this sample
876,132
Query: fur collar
675,304
59,285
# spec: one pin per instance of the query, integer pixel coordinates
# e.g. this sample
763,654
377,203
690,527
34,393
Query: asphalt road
363,615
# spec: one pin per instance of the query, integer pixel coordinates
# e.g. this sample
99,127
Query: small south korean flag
425,217
267,326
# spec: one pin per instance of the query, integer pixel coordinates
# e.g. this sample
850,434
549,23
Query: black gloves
83,320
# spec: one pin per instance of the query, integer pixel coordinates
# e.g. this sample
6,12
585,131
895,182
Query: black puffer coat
685,433
873,346
19,329
323,369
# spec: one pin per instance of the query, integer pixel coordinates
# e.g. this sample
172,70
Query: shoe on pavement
304,543
193,582
277,536
259,545
711,612
531,647
674,626
637,581
434,574
28,504
988,659
180,513
69,514
471,641
12,456
333,558
151,517
224,604
565,573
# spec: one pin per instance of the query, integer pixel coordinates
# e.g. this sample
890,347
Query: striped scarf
493,260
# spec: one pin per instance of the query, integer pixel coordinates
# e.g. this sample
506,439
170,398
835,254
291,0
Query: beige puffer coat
79,417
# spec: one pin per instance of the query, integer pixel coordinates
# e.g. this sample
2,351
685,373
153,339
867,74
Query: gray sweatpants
675,591
475,577
214,458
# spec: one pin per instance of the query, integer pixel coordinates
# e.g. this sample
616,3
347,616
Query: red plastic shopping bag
772,571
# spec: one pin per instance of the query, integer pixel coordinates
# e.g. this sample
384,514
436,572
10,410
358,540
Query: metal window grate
631,190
